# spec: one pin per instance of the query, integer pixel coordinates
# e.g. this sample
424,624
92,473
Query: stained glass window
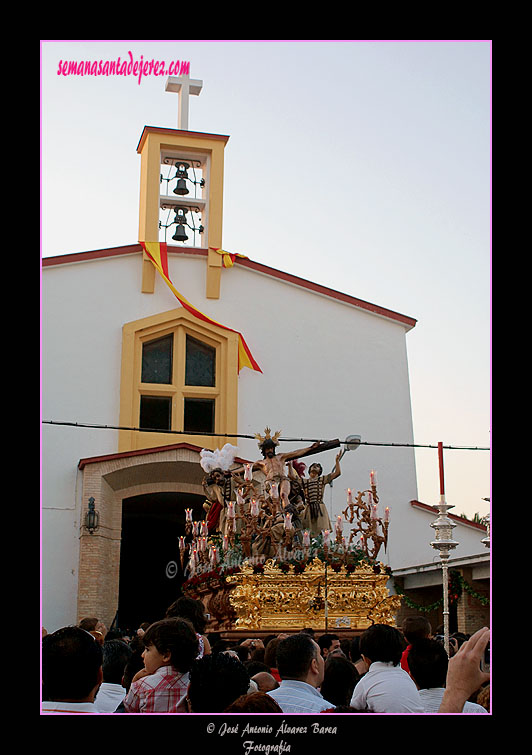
200,366
157,360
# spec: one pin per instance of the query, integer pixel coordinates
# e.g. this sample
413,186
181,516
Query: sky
364,165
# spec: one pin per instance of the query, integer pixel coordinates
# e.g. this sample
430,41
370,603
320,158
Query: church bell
181,175
180,234
181,187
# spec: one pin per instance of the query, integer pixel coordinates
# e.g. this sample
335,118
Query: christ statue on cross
273,465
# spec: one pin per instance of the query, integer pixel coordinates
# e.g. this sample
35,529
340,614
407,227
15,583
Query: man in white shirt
301,667
116,653
71,671
386,688
428,663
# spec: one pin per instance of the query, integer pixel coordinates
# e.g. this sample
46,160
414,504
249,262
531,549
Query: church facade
136,380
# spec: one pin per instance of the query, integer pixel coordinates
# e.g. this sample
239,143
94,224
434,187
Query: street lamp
92,517
352,442
486,540
444,543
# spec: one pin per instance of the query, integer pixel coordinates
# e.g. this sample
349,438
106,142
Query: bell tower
181,188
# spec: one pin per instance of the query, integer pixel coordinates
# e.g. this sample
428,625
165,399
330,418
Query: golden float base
291,598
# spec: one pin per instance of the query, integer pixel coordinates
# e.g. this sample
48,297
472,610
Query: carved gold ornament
281,599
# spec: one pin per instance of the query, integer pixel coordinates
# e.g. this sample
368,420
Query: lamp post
444,543
486,540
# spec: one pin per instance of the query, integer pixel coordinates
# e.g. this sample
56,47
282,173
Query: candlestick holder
287,541
372,529
249,527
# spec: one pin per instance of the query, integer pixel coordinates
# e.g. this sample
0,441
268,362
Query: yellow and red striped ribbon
157,252
228,258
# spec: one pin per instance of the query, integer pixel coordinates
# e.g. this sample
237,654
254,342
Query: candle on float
288,522
203,543
231,510
247,472
181,543
254,507
239,498
225,542
339,523
374,511
349,496
204,530
193,557
306,539
274,490
387,514
195,526
326,534
373,477
213,556
188,515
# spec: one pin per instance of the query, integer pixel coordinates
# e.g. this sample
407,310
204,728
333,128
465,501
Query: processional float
262,560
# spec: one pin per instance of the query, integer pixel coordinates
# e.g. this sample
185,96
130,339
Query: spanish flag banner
228,258
157,252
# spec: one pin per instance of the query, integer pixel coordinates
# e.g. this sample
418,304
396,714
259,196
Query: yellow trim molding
178,322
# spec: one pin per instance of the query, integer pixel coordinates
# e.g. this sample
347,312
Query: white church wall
59,568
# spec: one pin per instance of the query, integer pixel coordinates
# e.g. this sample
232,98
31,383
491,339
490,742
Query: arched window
178,374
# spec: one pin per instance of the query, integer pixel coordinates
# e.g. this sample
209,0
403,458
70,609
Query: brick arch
109,480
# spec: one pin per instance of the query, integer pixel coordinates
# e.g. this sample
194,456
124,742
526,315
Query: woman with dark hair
216,681
96,627
194,611
254,702
339,680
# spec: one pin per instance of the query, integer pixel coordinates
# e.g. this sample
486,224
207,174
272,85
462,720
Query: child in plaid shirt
170,646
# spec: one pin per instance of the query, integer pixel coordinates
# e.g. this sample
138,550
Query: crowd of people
174,666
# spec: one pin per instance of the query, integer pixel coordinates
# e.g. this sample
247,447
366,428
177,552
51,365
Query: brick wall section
471,614
109,482
423,597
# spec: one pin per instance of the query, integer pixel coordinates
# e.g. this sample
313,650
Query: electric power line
252,437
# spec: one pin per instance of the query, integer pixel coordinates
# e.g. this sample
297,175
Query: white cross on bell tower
197,199
184,86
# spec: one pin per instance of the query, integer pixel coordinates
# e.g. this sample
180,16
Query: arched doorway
154,487
150,571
